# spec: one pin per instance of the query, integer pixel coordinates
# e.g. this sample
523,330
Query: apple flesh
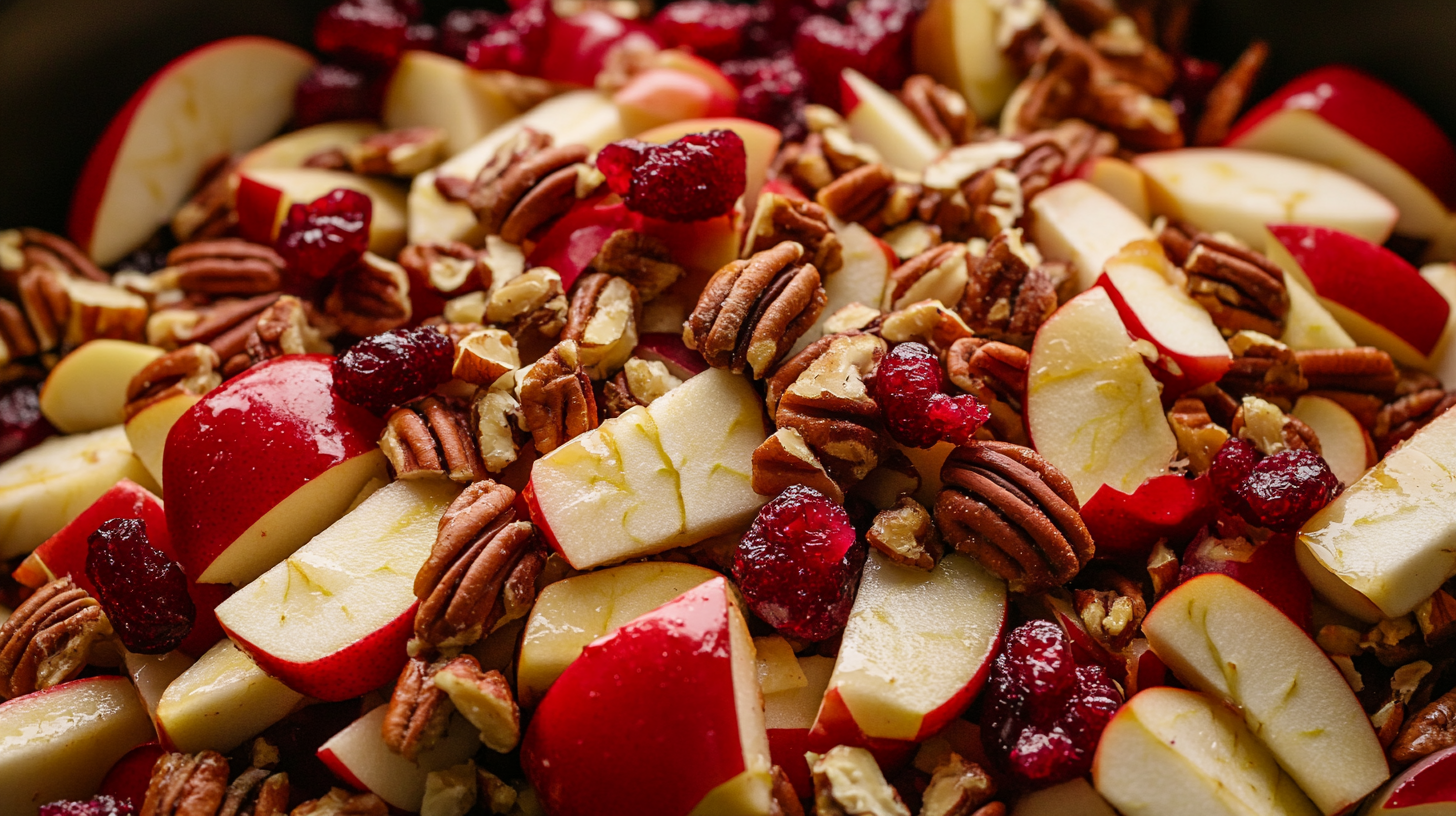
1268,568
861,279
789,715
220,702
294,149
332,620
432,90
1344,442
264,197
1308,324
662,94
1221,637
1121,180
955,42
262,464
59,743
86,391
1427,788
877,118
606,740
147,431
359,756
217,101
1078,223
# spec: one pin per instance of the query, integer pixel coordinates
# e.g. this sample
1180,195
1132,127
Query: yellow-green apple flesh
1092,406
1074,798
332,620
1324,116
217,101
916,650
1173,752
262,464
1241,191
147,430
606,739
789,715
263,198
1344,442
433,90
1379,298
1149,293
59,743
45,488
1427,788
220,702
1121,180
1267,567
1079,223
956,42
778,668
674,87
1224,639
1442,276
1309,325
577,117
573,612
860,280
294,149
151,674
878,118
651,479
1389,541
360,758
86,391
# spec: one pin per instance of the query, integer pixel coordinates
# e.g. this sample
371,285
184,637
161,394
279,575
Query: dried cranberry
797,565
713,30
516,42
22,426
910,389
1231,465
321,239
98,806
1195,78
372,31
332,92
393,368
460,27
1044,713
773,92
143,591
698,176
422,37
1282,491
875,42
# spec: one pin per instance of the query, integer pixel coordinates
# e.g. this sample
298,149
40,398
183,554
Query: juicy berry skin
772,92
875,42
515,43
369,31
799,563
321,239
99,806
143,591
332,93
22,426
1231,465
390,369
712,29
696,177
909,388
1282,491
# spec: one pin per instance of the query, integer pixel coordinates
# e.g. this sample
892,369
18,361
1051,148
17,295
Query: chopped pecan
1163,569
225,327
418,712
821,394
225,266
804,164
1269,429
48,638
1009,293
926,321
285,328
912,238
602,321
905,533
939,273
642,259
28,248
958,787
189,370
99,310
406,152
1228,95
848,782
450,791
638,383
257,792
496,795
484,698
1241,289
778,218
498,435
1015,512
451,268
753,311
484,356
481,572
1432,729
371,297
1132,58
943,112
432,437
339,802
995,373
1199,437
1264,367
187,785
1112,611
1362,369
527,183
1436,615
870,195
209,212
47,304
784,460
557,402
531,302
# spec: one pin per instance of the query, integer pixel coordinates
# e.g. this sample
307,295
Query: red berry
1233,463
698,176
321,239
422,37
875,42
515,43
22,426
98,806
909,387
390,369
462,26
713,30
143,591
798,564
372,31
1044,713
1282,491
331,93
773,92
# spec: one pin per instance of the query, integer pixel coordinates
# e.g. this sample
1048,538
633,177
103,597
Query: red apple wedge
1344,442
264,196
606,740
217,101
1221,637
1376,296
1266,567
955,41
789,715
332,620
360,758
59,743
878,118
1442,276
1324,116
86,391
577,45
262,464
220,702
1128,525
1308,324
665,93
1427,788
151,674
433,90
1078,223
130,777
148,428
860,280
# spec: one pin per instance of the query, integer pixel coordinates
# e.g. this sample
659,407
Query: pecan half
188,370
778,218
371,297
939,273
943,113
209,212
406,152
29,248
530,302
224,326
602,321
526,184
256,792
1432,729
1112,611
1362,369
1263,367
339,802
418,712
557,402
1228,95
870,195
642,259
484,698
906,534
48,638
1399,420
283,328
994,373
47,304
821,393
1241,289
1009,294
753,311
1199,437
451,268
187,785
432,437
484,356
1015,512
957,787
225,266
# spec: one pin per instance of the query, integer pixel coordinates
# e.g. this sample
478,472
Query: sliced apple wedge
956,42
151,674
1344,442
1074,798
789,715
860,280
86,391
433,90
1427,788
1121,180
220,702
264,197
292,150
1076,222
332,620
360,758
877,118
147,430
1308,324
1223,638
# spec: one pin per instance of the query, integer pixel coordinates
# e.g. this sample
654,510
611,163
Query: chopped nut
418,711
785,798
647,380
943,113
603,323
906,534
642,260
557,402
1432,729
957,788
466,308
850,318
497,431
848,782
483,356
893,479
340,802
483,698
784,460
938,274
1008,293
753,311
224,266
452,269
497,795
285,328
1163,568
1240,289
870,195
912,238
1263,367
821,394
405,153
451,792
527,183
256,792
371,297
1338,640
1437,616
1228,95
1270,429
186,785
1114,615
1199,437
779,218
532,301
27,248
188,370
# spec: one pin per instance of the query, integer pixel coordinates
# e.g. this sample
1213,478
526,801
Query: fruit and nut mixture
869,408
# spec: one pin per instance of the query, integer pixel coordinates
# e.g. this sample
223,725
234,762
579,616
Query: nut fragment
603,323
1241,289
943,113
188,370
47,640
753,311
848,782
483,698
784,460
822,394
186,785
557,402
484,356
497,432
497,796
957,788
406,152
29,248
339,802
940,274
450,792
432,437
640,382
532,301
371,297
778,218
283,328
418,711
1199,437
1009,293
1228,95
1263,367
1112,615
257,792
642,259
1432,729
451,268
906,534
99,310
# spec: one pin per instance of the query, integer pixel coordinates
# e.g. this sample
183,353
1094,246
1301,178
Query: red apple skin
1125,527
250,444
257,205
577,46
538,518
129,777
359,667
1192,372
834,725
331,759
786,747
674,95
1270,570
607,741
681,361
785,189
1344,97
571,243
1145,669
1342,268
1432,782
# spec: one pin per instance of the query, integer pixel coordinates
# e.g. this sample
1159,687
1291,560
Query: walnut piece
450,792
644,261
848,782
906,534
603,323
532,301
484,356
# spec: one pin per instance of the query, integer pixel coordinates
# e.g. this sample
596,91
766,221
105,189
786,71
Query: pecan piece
784,460
939,273
225,266
484,356
1269,429
498,434
602,321
821,394
1015,512
1362,369
224,326
753,311
1432,729
1112,615
484,698
870,195
406,152
29,248
957,788
927,321
1263,367
1241,289
371,297
1199,437
418,712
530,302
256,792
47,304
188,370
557,402
1399,420
451,268
848,782
340,802
994,373
527,183
640,382
778,218
432,437
943,113
209,212
285,328
48,638
642,259
1009,293
16,339
1228,95
187,785
906,535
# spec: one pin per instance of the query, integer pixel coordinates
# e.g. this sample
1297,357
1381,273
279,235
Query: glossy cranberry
875,42
698,176
910,389
1231,465
321,239
1044,713
798,564
772,92
516,42
712,29
371,31
98,806
1282,491
142,590
462,26
22,426
1195,78
331,93
390,369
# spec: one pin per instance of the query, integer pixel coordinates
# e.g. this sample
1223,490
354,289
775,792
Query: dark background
67,65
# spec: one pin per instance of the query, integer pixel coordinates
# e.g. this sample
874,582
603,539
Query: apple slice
1376,296
662,94
221,701
86,391
1076,222
293,150
1443,277
1344,442
264,197
1074,798
59,743
1170,752
262,464
217,101
151,674
1401,550
607,740
432,90
916,649
1268,568
130,777
1240,191
1324,116
1121,180
789,715
147,430
861,279
1169,507
45,488
571,613
360,758
332,620
1223,638
955,41
1308,324
1427,788
1092,406
877,118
